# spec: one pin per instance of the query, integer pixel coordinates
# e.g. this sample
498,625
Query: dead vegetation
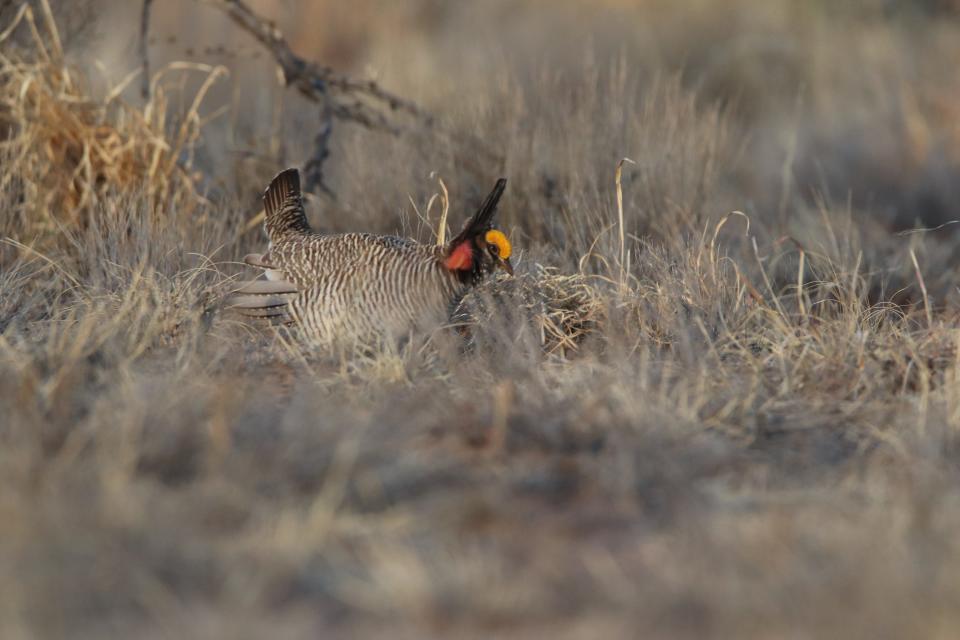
717,400
69,148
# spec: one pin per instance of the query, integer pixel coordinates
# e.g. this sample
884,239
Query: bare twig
800,264
442,228
52,30
144,49
926,230
923,289
623,245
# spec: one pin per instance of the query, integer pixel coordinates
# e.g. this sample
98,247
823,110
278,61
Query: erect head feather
482,220
479,248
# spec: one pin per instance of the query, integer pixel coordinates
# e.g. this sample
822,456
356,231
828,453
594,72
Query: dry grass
676,421
79,147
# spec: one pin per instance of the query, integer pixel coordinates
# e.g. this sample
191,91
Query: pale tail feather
258,260
264,299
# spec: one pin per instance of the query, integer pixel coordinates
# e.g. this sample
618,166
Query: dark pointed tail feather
283,206
483,218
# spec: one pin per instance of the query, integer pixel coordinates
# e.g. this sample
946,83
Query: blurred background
732,435
855,102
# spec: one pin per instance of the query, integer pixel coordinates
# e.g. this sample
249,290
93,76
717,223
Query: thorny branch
339,96
318,83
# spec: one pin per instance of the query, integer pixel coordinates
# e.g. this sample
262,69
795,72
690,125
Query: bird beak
506,266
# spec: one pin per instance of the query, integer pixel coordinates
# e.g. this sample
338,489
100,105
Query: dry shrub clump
68,147
562,310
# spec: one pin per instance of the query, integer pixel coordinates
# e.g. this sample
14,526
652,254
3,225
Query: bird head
480,248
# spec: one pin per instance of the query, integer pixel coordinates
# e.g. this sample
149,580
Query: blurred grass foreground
721,397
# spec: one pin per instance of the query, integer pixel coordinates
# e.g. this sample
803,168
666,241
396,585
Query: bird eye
496,239
494,249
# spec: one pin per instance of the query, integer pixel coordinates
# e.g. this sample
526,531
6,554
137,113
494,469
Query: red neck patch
461,258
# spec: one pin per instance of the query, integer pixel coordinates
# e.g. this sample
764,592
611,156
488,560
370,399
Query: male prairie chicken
359,285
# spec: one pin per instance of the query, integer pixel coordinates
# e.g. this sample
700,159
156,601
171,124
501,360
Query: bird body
351,286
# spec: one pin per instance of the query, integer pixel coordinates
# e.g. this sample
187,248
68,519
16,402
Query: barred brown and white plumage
360,285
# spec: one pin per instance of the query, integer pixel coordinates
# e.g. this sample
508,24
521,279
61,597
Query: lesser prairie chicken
354,286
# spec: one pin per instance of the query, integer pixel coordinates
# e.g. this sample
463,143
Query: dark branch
361,101
313,170
346,99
